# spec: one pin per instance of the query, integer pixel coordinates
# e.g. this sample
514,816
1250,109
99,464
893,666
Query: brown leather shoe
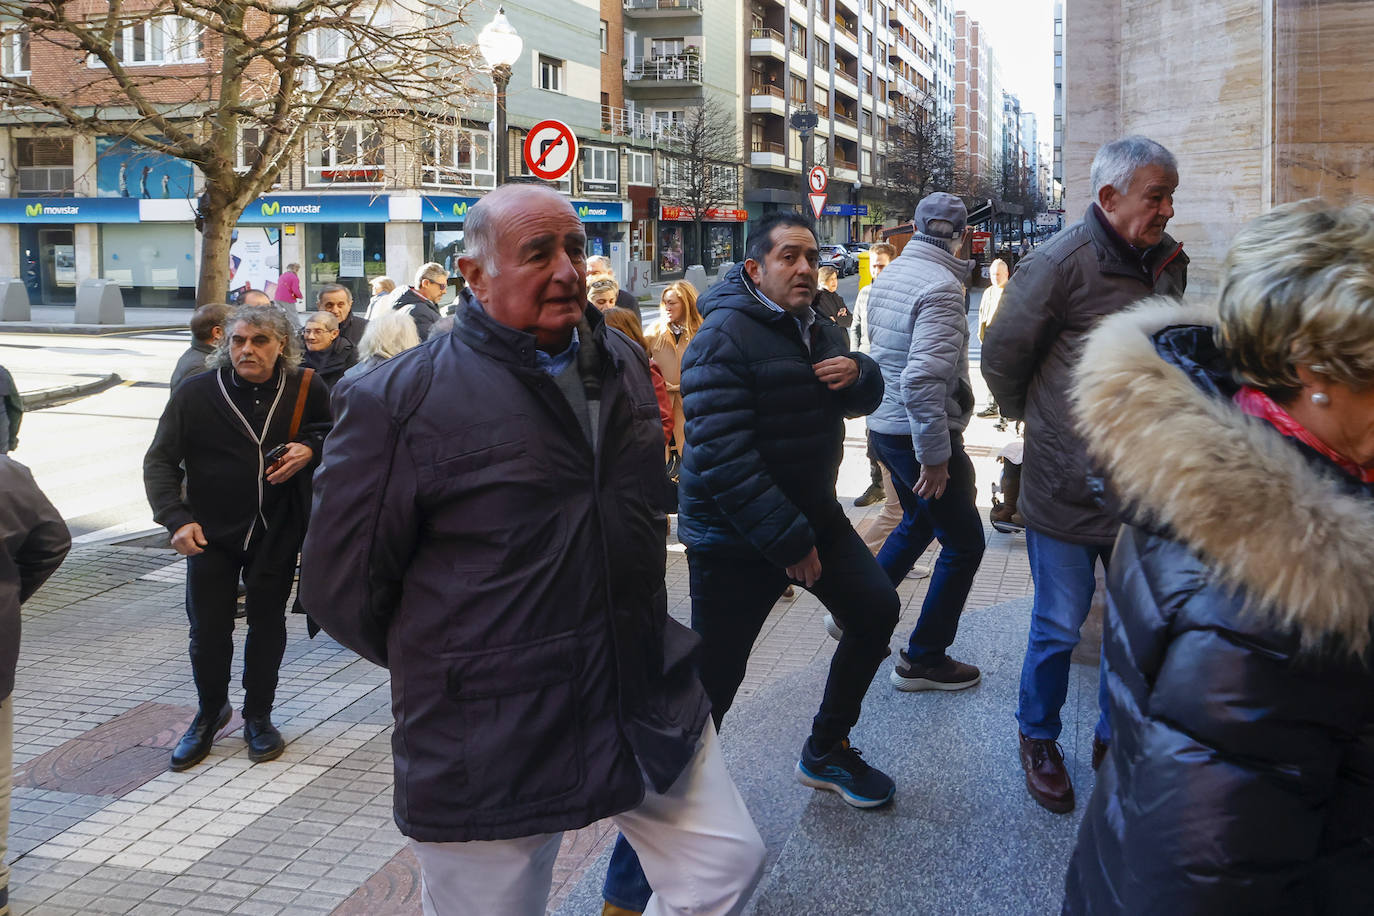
1047,779
1100,748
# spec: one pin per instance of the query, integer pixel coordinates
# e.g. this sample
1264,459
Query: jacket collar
928,248
1264,513
490,337
1117,256
736,291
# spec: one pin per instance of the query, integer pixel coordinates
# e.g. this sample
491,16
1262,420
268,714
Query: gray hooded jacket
919,337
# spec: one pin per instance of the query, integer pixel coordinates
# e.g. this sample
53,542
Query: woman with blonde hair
1237,645
667,339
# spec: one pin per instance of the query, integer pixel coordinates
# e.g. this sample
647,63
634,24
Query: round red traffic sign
550,150
817,179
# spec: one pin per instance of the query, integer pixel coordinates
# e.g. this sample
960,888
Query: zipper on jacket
1159,271
258,440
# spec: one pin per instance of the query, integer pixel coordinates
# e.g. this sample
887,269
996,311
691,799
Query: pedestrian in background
207,330
829,303
1115,256
239,513
998,275
387,335
337,300
667,337
288,291
510,560
12,414
879,483
327,351
33,542
431,282
383,288
627,323
1237,656
919,339
599,268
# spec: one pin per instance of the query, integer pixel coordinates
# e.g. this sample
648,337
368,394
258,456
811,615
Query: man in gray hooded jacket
919,337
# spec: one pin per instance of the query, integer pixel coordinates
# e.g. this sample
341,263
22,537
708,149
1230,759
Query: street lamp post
500,46
804,121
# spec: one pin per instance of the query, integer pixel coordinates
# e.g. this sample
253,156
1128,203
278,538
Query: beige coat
668,354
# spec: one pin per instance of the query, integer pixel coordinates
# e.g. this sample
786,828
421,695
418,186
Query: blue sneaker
843,771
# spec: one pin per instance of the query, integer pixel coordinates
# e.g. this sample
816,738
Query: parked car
838,257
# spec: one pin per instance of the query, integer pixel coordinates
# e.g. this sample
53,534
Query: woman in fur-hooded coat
1240,778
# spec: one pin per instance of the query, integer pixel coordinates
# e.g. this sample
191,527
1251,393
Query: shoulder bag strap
299,411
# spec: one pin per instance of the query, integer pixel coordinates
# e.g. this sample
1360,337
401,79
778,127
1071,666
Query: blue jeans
1064,585
954,520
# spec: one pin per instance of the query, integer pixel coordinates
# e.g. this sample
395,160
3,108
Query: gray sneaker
947,675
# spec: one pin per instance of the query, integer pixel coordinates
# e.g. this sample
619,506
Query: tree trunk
701,243
217,236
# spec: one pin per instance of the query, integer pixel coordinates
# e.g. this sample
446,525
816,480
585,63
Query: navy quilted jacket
764,436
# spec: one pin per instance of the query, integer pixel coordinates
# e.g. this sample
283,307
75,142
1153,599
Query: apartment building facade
358,201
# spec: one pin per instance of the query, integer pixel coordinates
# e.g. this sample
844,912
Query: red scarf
1258,404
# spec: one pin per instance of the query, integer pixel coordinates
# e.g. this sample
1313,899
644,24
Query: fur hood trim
1225,484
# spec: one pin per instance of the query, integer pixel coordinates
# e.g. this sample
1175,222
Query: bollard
696,275
723,268
14,301
99,301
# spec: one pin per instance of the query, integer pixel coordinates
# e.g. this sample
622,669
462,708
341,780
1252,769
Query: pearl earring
1321,399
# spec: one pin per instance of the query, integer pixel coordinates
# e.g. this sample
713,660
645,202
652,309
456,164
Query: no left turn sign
550,150
817,179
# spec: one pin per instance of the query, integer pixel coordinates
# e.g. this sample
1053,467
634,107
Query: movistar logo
460,208
583,210
50,210
271,209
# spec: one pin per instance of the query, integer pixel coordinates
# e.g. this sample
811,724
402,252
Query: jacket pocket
517,724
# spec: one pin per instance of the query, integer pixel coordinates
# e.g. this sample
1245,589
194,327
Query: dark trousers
211,598
954,520
732,597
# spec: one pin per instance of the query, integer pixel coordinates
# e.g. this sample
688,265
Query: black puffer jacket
764,436
331,363
1059,293
1241,772
510,578
423,312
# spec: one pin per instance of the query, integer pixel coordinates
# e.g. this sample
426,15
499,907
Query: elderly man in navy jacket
501,490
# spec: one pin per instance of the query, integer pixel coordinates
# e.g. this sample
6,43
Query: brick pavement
104,685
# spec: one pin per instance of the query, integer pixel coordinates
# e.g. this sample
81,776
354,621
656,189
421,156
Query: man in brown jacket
1116,255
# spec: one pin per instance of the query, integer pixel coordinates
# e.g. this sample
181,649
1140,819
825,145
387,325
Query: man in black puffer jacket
767,384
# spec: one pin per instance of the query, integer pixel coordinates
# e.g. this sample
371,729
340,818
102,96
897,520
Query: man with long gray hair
245,438
1116,255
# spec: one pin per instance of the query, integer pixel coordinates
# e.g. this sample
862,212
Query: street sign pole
804,121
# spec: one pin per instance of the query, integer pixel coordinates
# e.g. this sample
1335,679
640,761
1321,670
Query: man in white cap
918,331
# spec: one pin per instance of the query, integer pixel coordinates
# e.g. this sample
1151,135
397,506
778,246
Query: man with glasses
431,280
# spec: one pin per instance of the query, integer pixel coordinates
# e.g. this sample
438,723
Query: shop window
550,73
344,153
14,53
600,169
639,168
459,157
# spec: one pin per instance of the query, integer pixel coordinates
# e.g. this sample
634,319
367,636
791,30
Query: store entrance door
49,263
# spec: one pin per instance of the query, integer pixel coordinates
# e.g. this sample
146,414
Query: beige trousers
875,530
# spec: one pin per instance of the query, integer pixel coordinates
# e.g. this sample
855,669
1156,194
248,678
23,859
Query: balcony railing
766,33
845,30
767,89
667,69
619,122
685,6
845,120
768,146
845,164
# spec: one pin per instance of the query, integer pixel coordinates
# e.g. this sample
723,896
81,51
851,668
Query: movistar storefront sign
318,208
68,210
599,211
442,208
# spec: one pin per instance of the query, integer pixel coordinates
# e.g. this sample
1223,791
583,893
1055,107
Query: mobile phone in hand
275,454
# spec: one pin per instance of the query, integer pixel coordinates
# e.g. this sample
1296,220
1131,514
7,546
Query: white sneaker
833,628
920,572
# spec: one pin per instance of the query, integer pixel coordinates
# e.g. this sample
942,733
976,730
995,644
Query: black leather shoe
264,741
199,738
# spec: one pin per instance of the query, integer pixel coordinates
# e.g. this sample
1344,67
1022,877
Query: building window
14,52
667,121
163,40
605,37
45,166
797,39
639,168
459,157
344,153
600,168
249,149
550,73
822,54
666,48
